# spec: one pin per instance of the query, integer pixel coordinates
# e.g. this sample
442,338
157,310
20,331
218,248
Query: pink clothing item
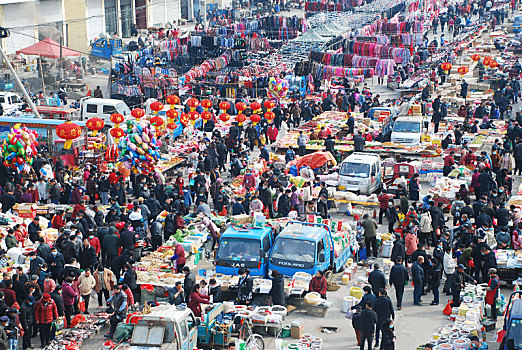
49,285
411,243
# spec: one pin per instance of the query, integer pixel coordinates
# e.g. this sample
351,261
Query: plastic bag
72,346
78,319
349,314
148,287
447,309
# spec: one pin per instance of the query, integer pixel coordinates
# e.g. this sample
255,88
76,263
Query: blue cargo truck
244,248
306,247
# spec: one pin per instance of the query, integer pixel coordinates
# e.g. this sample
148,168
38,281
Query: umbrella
48,48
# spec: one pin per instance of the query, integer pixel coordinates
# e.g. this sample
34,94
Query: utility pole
61,57
4,33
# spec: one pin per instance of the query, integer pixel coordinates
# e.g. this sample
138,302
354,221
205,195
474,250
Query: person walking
103,278
69,298
398,278
368,322
189,282
449,268
87,284
492,292
435,274
458,280
27,320
45,313
417,275
376,279
384,309
370,235
356,324
388,336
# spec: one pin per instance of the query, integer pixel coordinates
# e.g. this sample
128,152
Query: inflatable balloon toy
277,88
138,151
19,149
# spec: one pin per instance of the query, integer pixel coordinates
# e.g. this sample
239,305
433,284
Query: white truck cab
10,102
103,108
407,130
360,172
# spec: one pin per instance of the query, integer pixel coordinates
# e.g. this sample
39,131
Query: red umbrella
48,48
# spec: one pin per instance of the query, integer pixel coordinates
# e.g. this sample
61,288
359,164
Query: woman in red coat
196,299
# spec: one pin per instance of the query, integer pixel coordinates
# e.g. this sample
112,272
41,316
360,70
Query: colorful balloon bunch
19,148
277,88
139,149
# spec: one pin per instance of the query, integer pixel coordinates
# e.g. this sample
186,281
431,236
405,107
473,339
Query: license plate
342,187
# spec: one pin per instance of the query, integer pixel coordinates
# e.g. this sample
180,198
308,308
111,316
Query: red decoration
224,117
193,102
269,116
269,104
206,115
68,131
206,104
95,124
240,119
173,100
156,106
463,70
256,118
225,105
241,106
255,106
475,57
184,119
172,126
117,118
157,121
493,64
446,66
487,61
172,114
136,113
117,133
193,115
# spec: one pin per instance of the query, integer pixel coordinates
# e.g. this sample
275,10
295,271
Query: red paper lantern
68,131
173,100
193,115
157,121
172,126
269,104
224,105
95,124
240,119
172,114
446,66
206,104
136,113
463,70
117,118
487,61
224,117
493,64
117,133
193,102
156,106
256,118
184,119
255,106
206,115
475,57
241,106
269,116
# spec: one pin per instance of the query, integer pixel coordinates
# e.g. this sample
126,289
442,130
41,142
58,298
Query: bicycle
253,341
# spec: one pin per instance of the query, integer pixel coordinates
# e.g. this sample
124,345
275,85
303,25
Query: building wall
76,26
96,18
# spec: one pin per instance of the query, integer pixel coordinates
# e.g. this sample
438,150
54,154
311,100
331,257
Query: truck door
266,253
323,256
193,332
184,336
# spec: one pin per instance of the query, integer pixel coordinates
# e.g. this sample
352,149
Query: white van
360,173
407,130
103,108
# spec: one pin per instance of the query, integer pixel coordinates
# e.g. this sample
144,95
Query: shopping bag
447,309
500,335
349,314
81,305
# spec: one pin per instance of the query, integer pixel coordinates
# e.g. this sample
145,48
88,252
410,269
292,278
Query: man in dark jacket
34,229
368,296
398,249
417,274
458,279
489,261
56,295
377,279
278,289
398,278
358,142
189,282
119,261
283,205
127,238
87,257
35,263
368,321
27,320
384,309
110,245
56,262
435,274
486,182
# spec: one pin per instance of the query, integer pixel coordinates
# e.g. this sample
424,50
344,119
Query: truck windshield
355,169
239,249
405,126
295,250
515,333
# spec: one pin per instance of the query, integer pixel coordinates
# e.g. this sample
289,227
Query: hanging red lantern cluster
68,131
487,61
255,118
192,103
136,113
172,115
270,116
117,133
172,100
206,104
95,124
157,122
156,106
117,119
463,71
446,67
224,117
475,57
255,107
269,105
493,64
206,115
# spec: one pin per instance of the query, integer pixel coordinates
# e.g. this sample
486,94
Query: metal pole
19,83
61,58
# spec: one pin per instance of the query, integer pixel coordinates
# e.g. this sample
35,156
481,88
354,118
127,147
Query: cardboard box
296,332
27,210
259,220
240,219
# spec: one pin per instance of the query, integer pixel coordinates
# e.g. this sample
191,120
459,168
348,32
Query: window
407,126
15,99
2,99
266,243
320,248
354,169
239,249
296,250
101,44
109,109
184,330
92,108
